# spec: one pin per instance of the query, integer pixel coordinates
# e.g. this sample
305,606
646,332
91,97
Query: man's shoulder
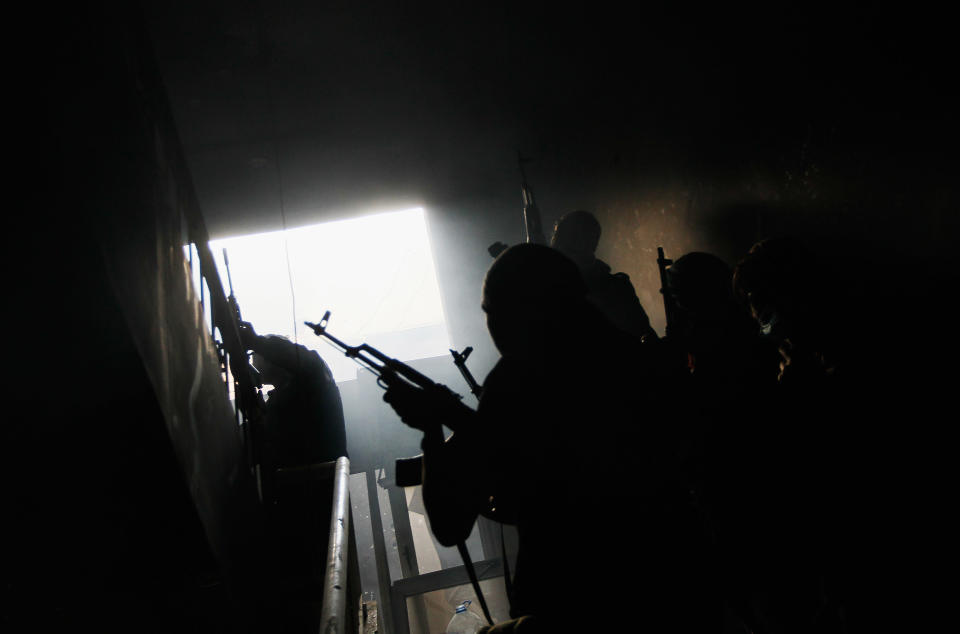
600,267
621,279
612,285
603,272
509,385
310,364
506,372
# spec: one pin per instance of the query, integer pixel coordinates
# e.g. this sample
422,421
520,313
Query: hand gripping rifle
388,372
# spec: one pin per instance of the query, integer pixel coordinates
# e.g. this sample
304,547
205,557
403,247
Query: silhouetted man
303,426
304,414
730,376
577,235
567,444
791,296
712,327
805,501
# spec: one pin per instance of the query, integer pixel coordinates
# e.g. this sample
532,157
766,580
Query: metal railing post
333,615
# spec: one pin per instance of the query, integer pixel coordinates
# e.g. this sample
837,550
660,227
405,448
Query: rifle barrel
226,262
387,367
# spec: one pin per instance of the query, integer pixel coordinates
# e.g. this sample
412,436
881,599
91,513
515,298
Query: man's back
614,295
569,444
580,463
304,419
576,235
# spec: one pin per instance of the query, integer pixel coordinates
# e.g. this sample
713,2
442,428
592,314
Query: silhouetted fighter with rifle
546,426
394,374
576,235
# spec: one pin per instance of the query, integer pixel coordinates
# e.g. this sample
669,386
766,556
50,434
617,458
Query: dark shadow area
819,503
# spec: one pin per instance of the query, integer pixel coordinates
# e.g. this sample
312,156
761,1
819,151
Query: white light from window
375,274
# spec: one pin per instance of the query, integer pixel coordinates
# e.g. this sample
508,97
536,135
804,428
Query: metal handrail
333,617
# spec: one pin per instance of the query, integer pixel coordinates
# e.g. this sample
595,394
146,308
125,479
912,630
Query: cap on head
781,264
700,281
270,372
528,275
577,232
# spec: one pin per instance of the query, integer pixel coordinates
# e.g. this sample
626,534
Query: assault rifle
669,308
389,372
247,384
235,308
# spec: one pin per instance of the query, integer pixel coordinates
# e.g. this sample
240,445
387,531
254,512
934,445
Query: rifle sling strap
507,581
468,564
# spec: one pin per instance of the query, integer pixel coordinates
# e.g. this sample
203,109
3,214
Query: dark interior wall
702,129
104,519
710,131
100,526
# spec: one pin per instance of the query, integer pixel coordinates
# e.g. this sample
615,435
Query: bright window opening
375,275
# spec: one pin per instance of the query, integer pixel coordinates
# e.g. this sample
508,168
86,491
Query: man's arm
635,313
454,471
452,487
615,296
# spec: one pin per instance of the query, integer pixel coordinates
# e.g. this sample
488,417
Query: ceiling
323,110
